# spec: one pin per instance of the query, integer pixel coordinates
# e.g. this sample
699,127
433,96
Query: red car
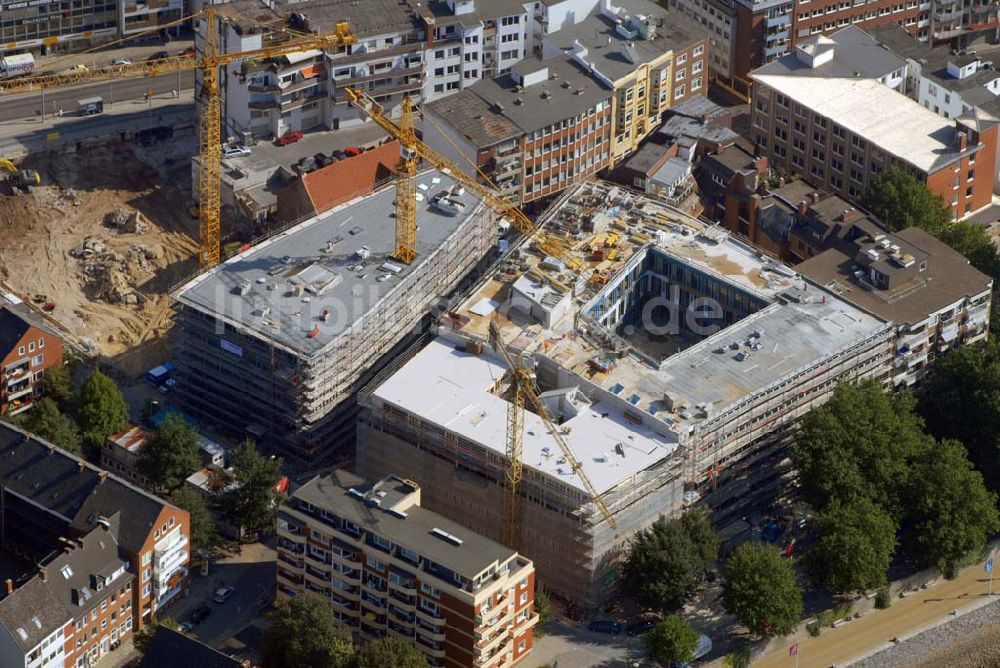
289,137
188,51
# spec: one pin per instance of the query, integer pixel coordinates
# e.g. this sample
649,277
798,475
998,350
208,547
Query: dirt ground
42,234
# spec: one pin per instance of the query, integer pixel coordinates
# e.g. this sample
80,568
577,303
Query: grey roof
97,555
32,601
474,555
672,171
299,254
474,118
729,161
170,649
855,54
485,10
895,38
367,18
571,92
648,158
15,320
674,31
75,490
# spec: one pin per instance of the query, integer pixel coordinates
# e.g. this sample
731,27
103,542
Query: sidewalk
874,631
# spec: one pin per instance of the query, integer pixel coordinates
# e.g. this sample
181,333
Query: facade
391,567
274,343
76,609
121,454
840,132
50,495
661,417
28,348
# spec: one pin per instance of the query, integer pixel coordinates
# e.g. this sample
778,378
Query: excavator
20,179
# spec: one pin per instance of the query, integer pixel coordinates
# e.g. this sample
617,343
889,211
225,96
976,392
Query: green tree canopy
101,409
204,533
860,444
58,384
304,634
975,244
961,400
704,537
142,638
390,652
171,454
47,421
900,201
760,590
855,547
671,641
252,503
665,563
952,511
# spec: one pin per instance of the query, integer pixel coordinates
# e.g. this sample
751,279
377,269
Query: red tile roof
352,177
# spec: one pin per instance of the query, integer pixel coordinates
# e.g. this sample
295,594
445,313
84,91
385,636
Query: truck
159,375
17,65
90,106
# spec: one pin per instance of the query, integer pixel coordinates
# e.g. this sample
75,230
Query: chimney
104,475
815,198
10,586
80,465
44,574
803,207
963,141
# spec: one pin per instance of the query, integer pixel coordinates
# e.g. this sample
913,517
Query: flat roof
321,254
451,387
887,119
474,118
367,18
475,554
855,54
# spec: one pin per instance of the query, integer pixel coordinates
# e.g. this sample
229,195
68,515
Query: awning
949,334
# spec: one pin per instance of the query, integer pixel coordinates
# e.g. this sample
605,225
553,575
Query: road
568,644
906,617
27,105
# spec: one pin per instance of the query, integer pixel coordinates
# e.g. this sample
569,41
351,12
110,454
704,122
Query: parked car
289,137
199,614
352,151
159,55
185,627
337,154
641,627
235,151
121,61
605,626
222,594
190,51
323,160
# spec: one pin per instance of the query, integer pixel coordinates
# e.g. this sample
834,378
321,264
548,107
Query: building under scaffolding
274,342
675,366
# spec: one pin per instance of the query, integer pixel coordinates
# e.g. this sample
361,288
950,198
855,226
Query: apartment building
470,40
50,496
73,25
72,610
393,568
840,131
121,453
28,348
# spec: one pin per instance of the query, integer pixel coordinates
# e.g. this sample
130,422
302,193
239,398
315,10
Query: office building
392,568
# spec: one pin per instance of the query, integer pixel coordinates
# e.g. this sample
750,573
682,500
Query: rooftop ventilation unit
444,535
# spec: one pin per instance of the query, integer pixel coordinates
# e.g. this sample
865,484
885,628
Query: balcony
432,633
373,604
17,370
953,15
292,535
290,580
300,99
391,73
778,21
429,617
262,87
779,36
367,56
493,641
429,647
263,105
346,561
290,561
405,588
776,50
18,390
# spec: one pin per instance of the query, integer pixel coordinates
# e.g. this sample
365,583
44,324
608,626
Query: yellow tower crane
411,149
210,114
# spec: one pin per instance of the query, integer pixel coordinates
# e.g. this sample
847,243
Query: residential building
170,648
839,132
121,453
699,119
930,293
274,343
50,495
75,609
319,191
392,568
656,169
65,25
28,348
664,408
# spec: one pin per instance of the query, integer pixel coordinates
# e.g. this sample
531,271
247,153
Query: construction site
96,242
671,361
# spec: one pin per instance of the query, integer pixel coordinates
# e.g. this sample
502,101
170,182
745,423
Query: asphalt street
27,105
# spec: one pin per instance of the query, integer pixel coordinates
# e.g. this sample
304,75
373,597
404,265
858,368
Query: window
698,50
20,350
31,346
508,55
41,340
429,606
38,360
697,66
681,59
438,88
679,91
510,20
375,564
429,590
680,74
146,558
523,598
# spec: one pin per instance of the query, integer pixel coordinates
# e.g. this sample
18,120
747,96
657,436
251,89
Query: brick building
28,348
391,567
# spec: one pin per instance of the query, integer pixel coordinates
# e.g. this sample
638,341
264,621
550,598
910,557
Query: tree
47,421
389,652
952,511
664,566
142,638
760,590
304,633
171,454
741,658
859,444
900,201
962,401
101,409
975,244
855,547
58,384
252,503
204,533
543,606
704,538
671,641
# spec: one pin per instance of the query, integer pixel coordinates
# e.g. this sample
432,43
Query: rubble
127,221
110,276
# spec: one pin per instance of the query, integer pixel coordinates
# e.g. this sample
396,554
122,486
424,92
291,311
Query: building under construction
674,365
274,342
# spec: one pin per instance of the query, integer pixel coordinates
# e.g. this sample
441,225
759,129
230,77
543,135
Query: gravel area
969,641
